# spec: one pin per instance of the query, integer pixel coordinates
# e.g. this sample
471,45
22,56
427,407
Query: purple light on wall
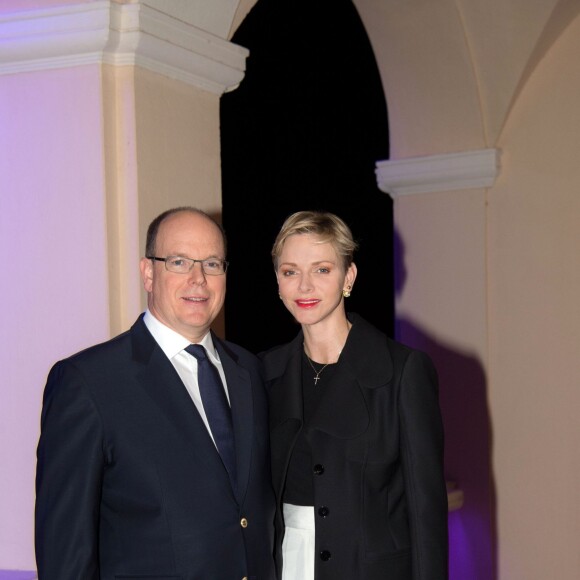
469,547
468,437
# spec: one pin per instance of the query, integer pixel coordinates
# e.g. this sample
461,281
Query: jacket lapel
367,354
241,401
341,411
283,373
365,363
161,383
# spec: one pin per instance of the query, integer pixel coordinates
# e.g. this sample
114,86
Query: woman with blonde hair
356,432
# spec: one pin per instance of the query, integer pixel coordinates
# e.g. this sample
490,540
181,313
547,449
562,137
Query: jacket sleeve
422,456
70,463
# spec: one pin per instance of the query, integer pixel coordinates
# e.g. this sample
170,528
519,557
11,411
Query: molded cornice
448,172
119,34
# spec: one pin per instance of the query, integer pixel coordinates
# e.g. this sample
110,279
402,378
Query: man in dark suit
146,469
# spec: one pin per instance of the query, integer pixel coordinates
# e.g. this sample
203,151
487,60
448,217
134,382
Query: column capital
105,32
452,171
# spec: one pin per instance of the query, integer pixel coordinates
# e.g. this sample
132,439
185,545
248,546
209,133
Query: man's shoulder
97,368
101,350
109,352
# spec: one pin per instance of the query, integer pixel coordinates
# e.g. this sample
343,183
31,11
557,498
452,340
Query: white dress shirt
173,345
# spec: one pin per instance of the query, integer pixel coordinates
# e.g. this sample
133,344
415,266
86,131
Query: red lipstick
306,303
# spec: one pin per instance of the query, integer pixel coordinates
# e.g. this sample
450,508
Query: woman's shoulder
275,359
364,331
265,354
375,358
370,343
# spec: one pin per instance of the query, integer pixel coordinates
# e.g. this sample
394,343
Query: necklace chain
317,373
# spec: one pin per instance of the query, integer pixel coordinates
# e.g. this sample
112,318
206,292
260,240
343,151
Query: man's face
187,303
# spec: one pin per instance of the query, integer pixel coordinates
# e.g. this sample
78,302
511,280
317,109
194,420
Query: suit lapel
161,383
241,401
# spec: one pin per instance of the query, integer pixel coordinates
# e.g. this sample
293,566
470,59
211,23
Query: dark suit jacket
377,458
129,482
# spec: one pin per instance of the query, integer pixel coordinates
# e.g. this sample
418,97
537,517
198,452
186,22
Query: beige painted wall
163,151
534,314
178,150
430,85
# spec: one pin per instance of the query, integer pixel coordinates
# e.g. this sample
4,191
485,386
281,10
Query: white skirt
298,543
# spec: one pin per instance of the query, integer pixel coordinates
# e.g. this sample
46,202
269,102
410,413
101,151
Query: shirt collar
171,342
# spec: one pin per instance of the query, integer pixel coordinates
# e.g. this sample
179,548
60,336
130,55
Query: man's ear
146,267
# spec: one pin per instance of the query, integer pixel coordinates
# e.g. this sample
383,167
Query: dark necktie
217,409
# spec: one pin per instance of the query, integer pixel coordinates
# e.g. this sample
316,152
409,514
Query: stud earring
346,293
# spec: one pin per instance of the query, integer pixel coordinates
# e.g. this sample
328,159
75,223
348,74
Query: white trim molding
105,32
468,170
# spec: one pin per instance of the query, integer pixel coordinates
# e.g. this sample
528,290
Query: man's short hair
154,226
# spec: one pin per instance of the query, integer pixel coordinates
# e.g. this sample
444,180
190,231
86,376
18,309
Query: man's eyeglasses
181,265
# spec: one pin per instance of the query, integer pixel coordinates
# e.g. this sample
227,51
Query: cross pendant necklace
316,373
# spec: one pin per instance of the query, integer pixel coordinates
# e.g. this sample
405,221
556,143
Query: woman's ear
350,276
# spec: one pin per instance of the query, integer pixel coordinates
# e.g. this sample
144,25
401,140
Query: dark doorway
303,131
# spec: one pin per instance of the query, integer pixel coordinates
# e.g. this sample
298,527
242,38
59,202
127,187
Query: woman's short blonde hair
327,226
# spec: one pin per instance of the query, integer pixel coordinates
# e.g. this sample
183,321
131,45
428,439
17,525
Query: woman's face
311,279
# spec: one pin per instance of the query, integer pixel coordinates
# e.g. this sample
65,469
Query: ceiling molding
105,32
453,171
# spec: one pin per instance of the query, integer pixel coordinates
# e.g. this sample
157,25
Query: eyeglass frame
192,261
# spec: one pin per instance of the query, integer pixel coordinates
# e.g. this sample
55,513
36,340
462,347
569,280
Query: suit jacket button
323,511
244,523
325,555
318,469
